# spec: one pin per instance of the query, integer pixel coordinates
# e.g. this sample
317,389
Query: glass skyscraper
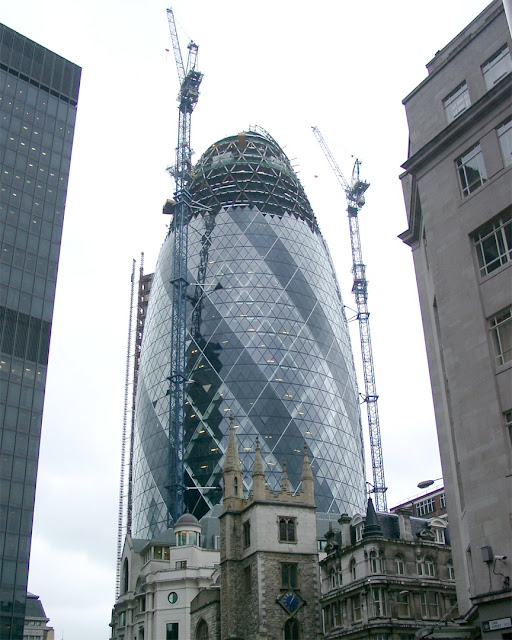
267,342
38,98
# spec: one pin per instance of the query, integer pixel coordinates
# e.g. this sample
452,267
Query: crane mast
189,79
355,201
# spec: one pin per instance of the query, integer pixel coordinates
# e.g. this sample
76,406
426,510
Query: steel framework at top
355,201
190,79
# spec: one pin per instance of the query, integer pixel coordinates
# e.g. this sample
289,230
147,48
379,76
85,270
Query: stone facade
459,209
159,580
385,576
269,559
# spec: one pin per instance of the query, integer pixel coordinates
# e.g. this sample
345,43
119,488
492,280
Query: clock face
172,597
290,601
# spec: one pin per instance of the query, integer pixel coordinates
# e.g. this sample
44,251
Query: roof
187,518
34,607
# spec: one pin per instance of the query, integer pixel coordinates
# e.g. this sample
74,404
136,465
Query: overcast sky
284,65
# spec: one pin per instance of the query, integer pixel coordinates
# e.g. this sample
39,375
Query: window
493,243
122,619
451,572
429,604
402,604
430,569
425,506
247,533
126,575
457,102
501,332
442,500
359,532
356,608
471,169
289,576
333,578
291,630
142,604
375,563
507,416
161,553
184,538
505,139
399,565
171,631
353,571
377,602
181,564
202,631
247,585
336,616
440,537
287,530
497,67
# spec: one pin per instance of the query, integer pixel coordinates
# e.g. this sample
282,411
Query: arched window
202,631
374,562
126,575
291,630
429,567
451,572
353,572
399,565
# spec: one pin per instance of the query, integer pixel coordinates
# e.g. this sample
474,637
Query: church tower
269,560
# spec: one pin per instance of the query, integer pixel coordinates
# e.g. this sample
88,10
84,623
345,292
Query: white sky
282,64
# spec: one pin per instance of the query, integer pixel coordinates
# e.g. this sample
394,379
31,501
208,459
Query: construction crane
355,201
179,208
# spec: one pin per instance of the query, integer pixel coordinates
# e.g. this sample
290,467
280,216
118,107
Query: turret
258,475
232,475
308,482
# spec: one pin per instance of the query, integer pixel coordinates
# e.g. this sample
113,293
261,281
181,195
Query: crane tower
355,201
179,208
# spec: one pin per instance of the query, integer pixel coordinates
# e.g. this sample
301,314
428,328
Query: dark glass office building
267,341
38,98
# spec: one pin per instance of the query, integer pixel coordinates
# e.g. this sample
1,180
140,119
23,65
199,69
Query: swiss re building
267,342
38,98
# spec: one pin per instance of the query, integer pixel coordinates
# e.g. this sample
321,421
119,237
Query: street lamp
427,483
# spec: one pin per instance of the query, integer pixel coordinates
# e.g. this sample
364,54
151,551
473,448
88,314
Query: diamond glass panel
267,341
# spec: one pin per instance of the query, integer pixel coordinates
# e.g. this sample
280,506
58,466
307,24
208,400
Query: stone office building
387,576
457,188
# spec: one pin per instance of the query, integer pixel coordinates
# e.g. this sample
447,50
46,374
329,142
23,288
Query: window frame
493,243
287,529
502,54
452,103
289,575
403,609
399,565
504,133
472,160
499,335
246,529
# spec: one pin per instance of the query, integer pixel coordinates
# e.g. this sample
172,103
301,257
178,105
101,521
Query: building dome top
187,519
249,169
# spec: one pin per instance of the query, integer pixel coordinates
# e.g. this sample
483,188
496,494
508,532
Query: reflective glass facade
38,97
267,341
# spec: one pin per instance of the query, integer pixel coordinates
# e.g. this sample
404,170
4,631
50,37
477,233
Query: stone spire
258,474
285,481
232,474
371,525
308,482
